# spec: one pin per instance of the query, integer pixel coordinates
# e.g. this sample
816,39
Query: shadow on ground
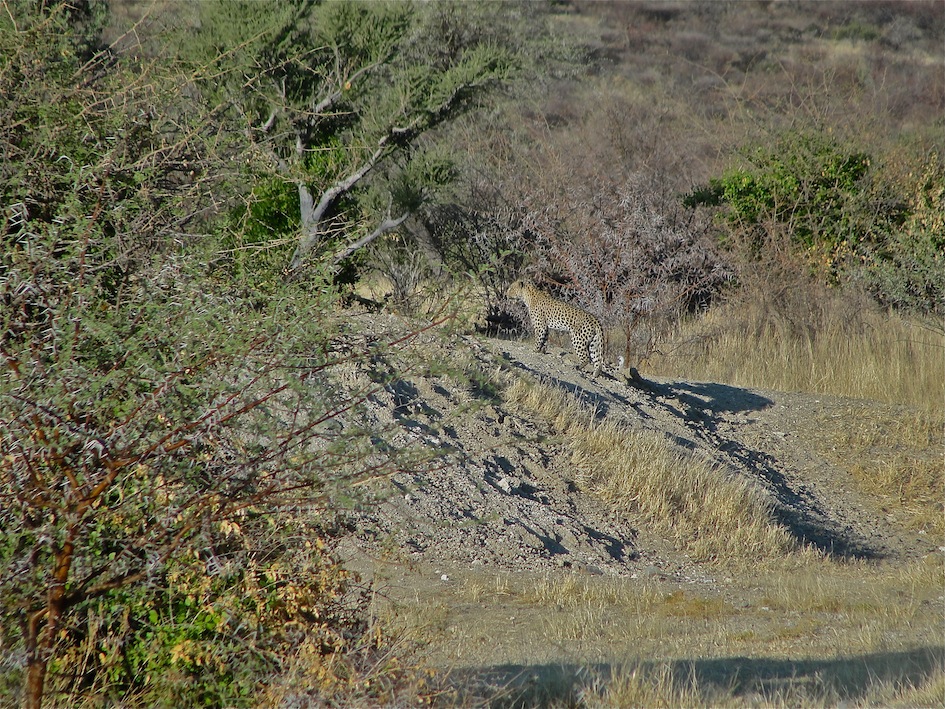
830,681
700,407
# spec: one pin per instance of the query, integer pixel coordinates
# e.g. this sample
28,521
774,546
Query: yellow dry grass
895,455
823,634
893,451
862,355
707,511
676,685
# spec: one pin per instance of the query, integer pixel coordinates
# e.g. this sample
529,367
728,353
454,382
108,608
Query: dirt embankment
504,497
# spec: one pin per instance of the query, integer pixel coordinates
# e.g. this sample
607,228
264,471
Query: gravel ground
504,497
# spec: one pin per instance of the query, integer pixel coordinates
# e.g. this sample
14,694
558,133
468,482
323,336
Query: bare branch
269,121
384,227
396,136
311,218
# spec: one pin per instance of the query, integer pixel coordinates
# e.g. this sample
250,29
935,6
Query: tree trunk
35,680
40,637
312,215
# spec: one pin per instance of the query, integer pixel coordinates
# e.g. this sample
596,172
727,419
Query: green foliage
34,128
260,233
857,30
210,624
905,267
850,218
337,96
130,438
227,34
271,213
808,182
152,421
410,185
362,33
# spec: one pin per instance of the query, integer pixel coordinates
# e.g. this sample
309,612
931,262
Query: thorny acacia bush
141,472
342,102
170,459
635,256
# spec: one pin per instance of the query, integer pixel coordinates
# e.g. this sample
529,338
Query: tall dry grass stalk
861,354
707,511
658,686
670,685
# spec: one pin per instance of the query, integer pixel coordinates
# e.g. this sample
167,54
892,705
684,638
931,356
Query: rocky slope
504,496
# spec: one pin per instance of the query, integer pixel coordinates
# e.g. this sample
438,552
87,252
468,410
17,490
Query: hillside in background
680,88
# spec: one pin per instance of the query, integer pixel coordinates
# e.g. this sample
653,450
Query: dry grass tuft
930,693
909,484
575,591
894,455
707,511
668,684
830,346
893,598
659,686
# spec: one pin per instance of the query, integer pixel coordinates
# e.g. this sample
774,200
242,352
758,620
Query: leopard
548,313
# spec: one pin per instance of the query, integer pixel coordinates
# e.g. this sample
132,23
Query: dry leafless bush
405,267
484,240
634,257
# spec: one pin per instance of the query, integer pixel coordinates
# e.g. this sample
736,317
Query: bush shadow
700,407
830,681
796,507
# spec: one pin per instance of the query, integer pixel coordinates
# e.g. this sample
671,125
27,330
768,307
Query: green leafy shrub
845,213
271,213
261,233
857,30
808,182
905,268
164,444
